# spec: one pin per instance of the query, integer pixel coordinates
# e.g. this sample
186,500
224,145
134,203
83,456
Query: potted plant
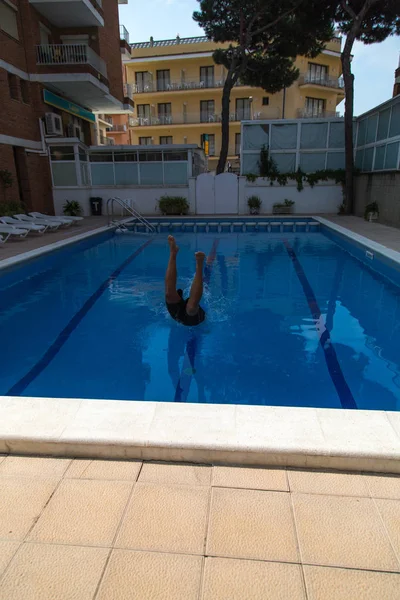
72,208
173,205
371,212
283,208
254,204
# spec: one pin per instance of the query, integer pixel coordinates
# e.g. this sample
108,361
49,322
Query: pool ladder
127,206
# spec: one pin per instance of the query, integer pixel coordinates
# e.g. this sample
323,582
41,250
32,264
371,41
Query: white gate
217,194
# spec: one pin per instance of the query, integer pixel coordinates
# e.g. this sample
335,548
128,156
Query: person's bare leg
171,295
196,291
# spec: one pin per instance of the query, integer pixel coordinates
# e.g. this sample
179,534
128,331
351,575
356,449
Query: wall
324,198
145,198
383,188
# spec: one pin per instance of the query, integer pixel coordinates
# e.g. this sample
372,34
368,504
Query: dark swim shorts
177,310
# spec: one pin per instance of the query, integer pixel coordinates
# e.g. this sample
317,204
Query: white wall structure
323,198
209,194
144,198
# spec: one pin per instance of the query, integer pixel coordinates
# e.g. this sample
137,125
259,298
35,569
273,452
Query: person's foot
200,257
173,248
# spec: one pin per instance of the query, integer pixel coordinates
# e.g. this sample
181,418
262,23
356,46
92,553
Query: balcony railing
70,54
124,34
176,85
128,90
325,81
209,118
103,117
305,113
117,129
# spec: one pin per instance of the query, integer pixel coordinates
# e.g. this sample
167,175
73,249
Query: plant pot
254,211
282,210
372,216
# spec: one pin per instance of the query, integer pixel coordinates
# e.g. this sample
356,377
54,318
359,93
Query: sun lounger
13,231
54,225
39,215
4,239
22,225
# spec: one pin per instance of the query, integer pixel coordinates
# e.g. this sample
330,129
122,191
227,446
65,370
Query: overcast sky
373,66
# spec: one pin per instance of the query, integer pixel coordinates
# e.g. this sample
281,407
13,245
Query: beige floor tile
76,469
175,474
251,524
104,469
230,579
320,482
343,532
384,486
2,457
250,478
390,512
34,467
21,503
166,518
7,551
83,512
325,583
132,575
50,572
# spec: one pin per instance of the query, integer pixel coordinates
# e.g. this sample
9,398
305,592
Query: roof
174,42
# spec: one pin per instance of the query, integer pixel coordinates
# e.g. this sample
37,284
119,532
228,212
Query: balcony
71,13
304,113
179,85
128,90
208,118
331,82
76,72
105,119
124,34
70,54
117,129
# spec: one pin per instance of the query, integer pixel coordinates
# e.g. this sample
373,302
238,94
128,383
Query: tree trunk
226,98
348,126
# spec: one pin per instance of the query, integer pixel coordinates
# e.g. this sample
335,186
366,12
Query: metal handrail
129,209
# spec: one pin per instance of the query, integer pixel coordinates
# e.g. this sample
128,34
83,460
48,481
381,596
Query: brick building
60,63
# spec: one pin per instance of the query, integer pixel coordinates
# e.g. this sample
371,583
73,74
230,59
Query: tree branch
285,14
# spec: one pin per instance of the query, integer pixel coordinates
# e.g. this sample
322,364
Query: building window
317,73
165,140
164,113
207,76
265,101
242,109
145,141
211,144
143,81
13,86
207,111
315,107
8,20
163,80
25,92
143,113
237,144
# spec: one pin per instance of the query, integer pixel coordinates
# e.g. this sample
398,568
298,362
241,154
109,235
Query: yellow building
178,94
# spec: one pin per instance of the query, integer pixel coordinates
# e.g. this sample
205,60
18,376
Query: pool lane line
18,388
191,346
345,396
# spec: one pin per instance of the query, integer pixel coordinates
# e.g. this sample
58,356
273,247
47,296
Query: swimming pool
293,319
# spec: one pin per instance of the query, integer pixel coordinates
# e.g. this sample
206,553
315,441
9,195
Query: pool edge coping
201,433
31,428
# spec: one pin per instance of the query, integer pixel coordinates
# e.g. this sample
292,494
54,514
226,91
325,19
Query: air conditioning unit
74,131
53,124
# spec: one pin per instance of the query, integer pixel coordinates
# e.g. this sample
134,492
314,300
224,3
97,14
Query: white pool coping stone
360,440
201,433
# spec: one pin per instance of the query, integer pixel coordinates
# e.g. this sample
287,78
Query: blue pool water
293,319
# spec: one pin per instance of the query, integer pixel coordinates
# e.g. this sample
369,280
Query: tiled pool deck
110,530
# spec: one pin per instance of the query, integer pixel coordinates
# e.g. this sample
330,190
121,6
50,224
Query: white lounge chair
13,231
67,221
4,239
53,225
22,225
42,216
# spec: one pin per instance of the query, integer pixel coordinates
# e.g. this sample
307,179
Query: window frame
206,114
15,34
242,110
166,80
209,81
